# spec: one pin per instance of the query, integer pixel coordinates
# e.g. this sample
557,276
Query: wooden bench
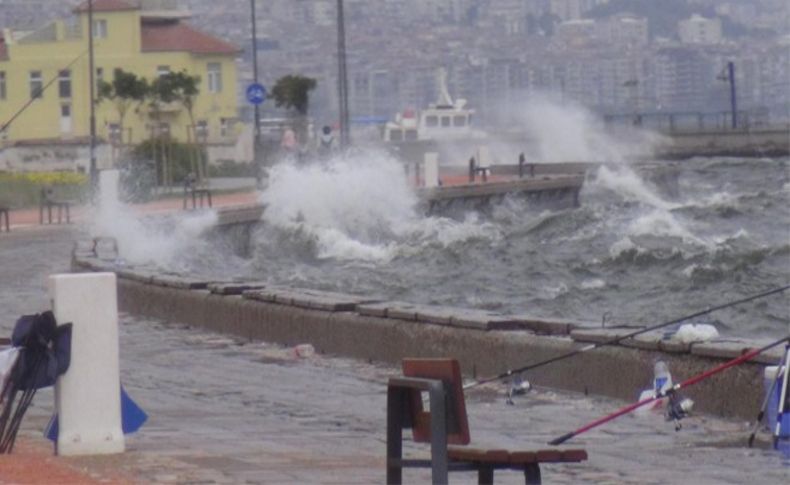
5,212
198,195
445,424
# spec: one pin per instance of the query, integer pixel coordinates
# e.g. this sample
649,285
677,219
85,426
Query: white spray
141,240
358,207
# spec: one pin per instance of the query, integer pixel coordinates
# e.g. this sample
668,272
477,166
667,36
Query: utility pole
256,145
342,76
733,106
93,173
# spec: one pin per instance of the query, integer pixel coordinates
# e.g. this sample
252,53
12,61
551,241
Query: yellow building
49,69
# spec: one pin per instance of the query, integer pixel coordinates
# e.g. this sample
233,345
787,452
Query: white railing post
431,170
87,396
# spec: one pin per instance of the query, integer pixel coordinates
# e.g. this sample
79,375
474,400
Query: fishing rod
615,340
38,94
769,395
780,411
661,394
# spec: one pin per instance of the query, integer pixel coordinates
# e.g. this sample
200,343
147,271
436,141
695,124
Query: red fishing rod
662,394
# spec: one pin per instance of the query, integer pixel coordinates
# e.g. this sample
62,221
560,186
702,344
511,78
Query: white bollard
87,396
431,170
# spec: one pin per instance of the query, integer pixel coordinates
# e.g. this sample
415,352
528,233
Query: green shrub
23,189
231,168
170,156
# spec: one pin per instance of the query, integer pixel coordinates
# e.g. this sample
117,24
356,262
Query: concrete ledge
363,328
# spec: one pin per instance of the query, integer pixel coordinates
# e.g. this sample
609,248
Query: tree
125,90
293,93
181,87
173,87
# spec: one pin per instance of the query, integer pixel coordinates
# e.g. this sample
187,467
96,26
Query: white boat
447,119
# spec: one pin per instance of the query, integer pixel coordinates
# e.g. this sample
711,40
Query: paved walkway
227,411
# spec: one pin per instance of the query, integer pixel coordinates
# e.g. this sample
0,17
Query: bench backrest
449,372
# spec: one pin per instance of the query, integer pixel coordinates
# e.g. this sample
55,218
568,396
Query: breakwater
488,343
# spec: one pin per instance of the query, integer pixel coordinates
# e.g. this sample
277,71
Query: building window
2,85
445,121
100,29
65,111
201,130
162,70
459,120
99,78
64,84
431,121
36,84
214,77
224,127
114,132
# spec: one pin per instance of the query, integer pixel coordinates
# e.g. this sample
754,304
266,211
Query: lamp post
93,173
256,145
342,76
729,77
733,106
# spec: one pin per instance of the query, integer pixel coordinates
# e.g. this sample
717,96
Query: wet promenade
228,411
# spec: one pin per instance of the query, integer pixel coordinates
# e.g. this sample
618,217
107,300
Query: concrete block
260,295
542,326
180,282
402,311
600,335
645,341
475,319
435,314
733,348
374,309
87,396
235,288
674,346
134,274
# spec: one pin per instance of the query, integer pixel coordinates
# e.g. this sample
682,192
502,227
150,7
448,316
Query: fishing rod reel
678,408
518,387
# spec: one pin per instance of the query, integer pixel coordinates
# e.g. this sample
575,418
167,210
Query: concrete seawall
485,343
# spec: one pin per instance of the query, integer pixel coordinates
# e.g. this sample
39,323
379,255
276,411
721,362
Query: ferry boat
447,119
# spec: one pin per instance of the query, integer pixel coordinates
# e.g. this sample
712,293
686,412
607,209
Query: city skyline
591,52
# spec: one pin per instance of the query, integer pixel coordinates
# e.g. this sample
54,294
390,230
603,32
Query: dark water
635,251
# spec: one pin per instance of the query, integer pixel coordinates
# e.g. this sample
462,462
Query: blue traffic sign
256,93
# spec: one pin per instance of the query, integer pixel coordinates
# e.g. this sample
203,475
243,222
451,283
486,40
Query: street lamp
342,76
257,142
730,77
93,174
